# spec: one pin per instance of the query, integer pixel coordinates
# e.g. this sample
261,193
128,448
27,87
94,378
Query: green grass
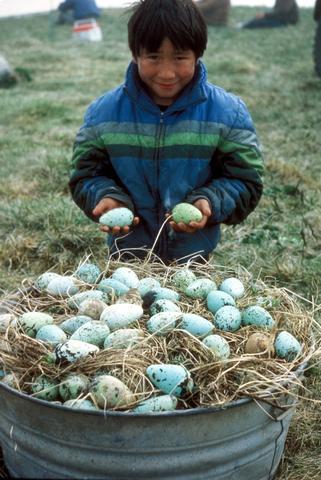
281,241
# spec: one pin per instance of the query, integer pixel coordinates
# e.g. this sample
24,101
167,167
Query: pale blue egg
111,285
163,305
217,299
162,403
117,217
195,324
51,334
62,287
171,379
233,286
287,346
127,276
70,325
167,294
228,318
218,345
124,338
147,284
182,278
200,288
121,315
94,332
256,315
80,404
73,386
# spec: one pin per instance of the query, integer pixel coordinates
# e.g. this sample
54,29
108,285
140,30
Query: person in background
165,136
284,12
215,12
70,11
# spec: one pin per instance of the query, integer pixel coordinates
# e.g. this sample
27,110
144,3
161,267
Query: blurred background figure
215,12
70,11
317,38
284,12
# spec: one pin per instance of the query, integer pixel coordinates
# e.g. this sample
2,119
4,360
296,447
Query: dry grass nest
259,376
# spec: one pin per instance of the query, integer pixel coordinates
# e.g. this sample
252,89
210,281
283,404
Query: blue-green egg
80,404
117,217
73,385
163,305
287,346
167,294
43,280
45,388
186,213
217,299
31,322
182,278
256,315
94,332
147,284
51,334
70,325
112,286
171,379
218,345
228,319
62,287
195,324
200,288
163,322
162,403
88,273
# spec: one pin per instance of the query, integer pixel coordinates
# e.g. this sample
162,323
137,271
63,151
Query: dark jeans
264,23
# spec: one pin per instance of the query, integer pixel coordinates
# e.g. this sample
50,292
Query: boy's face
166,72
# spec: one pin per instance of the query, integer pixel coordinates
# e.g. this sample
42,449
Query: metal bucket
242,441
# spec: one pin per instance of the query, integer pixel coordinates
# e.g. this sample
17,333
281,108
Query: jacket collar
192,94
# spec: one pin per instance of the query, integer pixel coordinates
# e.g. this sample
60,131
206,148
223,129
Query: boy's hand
104,206
204,206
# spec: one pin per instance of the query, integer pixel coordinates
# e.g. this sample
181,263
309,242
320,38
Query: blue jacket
81,8
203,145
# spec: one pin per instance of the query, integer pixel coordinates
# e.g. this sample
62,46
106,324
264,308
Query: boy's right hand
104,206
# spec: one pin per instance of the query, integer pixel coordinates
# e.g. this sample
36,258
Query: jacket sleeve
237,165
93,177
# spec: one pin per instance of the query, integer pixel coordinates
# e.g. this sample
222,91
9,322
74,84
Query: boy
167,136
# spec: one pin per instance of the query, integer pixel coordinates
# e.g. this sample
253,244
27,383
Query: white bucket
87,30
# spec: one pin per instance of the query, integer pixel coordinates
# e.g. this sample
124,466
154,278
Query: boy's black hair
178,20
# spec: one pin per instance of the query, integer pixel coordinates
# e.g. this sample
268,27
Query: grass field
272,71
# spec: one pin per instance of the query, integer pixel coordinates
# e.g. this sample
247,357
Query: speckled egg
163,305
88,273
121,315
110,392
256,315
162,403
186,213
163,322
167,294
147,284
195,324
45,388
7,319
182,278
287,346
74,301
233,286
93,332
51,334
62,287
124,338
43,280
127,276
73,386
80,404
31,322
259,343
171,379
218,345
112,287
117,217
217,299
74,350
92,308
200,288
11,380
228,318
70,325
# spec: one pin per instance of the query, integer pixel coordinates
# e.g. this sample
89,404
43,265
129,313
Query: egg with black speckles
218,345
171,379
217,299
228,318
287,346
258,316
117,217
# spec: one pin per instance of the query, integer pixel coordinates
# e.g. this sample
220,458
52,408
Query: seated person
73,10
215,12
284,12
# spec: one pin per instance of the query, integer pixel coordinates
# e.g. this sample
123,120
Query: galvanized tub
242,441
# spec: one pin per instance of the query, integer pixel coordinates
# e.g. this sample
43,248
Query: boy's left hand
204,206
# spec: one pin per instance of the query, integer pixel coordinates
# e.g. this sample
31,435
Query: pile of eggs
122,311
